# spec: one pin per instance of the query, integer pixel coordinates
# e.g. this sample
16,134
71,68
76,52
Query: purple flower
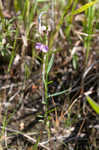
41,47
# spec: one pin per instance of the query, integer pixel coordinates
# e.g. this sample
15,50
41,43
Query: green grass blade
18,5
50,64
83,8
13,52
1,9
90,15
59,93
65,12
93,104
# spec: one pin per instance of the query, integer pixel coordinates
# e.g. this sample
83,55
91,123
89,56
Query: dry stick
78,134
71,106
25,135
60,138
89,68
85,74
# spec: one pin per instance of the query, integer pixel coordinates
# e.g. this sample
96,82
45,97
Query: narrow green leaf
83,8
59,93
75,61
93,104
1,9
50,64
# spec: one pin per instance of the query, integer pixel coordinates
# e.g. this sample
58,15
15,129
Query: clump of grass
90,15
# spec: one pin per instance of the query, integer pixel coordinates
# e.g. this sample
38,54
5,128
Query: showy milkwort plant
43,48
46,63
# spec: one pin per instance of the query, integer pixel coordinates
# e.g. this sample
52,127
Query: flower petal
41,47
38,45
44,48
